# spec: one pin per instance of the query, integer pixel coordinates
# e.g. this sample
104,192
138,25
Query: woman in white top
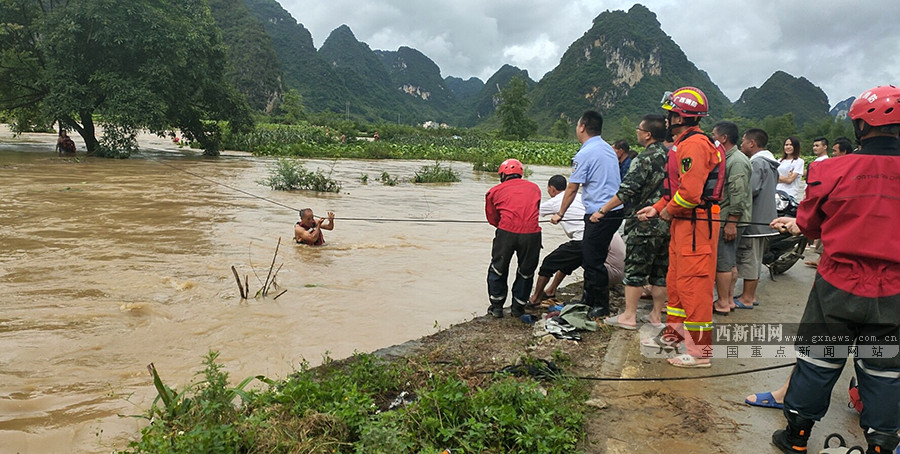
791,168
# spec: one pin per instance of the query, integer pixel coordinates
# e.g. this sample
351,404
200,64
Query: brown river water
107,266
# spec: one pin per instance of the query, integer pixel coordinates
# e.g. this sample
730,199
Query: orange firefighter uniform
692,247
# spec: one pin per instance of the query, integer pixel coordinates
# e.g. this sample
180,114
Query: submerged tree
512,110
148,64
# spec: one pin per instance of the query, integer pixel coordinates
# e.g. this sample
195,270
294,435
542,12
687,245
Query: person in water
309,229
64,143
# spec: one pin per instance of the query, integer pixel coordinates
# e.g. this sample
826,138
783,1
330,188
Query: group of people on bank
697,216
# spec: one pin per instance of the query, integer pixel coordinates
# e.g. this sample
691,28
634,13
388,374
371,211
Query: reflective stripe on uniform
675,311
497,298
698,326
891,374
683,203
821,363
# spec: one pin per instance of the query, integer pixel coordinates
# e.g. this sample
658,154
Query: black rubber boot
495,311
793,439
881,442
517,309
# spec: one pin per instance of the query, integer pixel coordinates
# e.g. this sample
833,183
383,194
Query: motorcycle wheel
786,260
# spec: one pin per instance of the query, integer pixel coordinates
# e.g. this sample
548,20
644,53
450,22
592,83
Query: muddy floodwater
107,266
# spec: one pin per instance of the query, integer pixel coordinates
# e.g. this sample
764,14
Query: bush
289,174
436,174
117,142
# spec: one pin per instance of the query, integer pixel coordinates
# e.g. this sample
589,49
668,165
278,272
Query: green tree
560,128
157,65
514,103
291,107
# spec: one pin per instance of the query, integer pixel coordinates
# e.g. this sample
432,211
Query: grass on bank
366,405
485,153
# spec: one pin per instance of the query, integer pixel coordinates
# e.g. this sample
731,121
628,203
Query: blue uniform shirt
596,168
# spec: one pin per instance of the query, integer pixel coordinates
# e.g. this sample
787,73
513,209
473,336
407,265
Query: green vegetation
514,123
436,174
365,405
253,66
154,65
784,94
289,174
388,180
308,141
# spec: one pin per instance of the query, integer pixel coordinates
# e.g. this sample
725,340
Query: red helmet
686,102
878,106
511,167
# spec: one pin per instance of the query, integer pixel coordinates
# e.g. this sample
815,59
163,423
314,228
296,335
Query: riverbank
697,413
114,264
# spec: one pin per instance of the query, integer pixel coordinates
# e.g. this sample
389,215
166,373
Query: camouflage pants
646,260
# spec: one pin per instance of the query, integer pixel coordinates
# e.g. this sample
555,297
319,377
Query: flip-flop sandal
663,344
740,305
646,319
688,361
765,399
722,313
614,321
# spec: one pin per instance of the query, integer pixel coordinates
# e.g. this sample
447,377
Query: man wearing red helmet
851,204
512,207
693,241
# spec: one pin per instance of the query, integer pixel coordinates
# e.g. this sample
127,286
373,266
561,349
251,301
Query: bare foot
722,307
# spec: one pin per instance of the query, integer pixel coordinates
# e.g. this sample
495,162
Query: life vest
319,241
714,186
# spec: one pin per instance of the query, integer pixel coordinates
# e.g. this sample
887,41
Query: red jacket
852,205
513,206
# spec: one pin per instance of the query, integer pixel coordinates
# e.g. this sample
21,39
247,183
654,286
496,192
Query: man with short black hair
763,179
842,147
623,152
647,244
735,206
595,169
820,149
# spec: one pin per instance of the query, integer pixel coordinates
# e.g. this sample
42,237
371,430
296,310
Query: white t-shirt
573,224
784,169
821,158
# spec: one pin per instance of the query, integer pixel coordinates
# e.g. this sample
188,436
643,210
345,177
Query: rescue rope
448,221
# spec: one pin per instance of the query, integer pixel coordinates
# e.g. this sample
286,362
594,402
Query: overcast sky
843,47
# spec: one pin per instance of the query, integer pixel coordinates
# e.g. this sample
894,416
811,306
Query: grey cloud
843,47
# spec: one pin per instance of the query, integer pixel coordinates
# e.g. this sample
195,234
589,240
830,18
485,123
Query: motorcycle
784,249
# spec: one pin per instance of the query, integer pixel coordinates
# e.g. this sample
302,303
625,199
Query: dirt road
709,415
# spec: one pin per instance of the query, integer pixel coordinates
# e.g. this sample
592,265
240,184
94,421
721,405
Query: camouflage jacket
643,186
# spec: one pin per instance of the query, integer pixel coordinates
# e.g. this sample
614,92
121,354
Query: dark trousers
595,248
527,248
867,322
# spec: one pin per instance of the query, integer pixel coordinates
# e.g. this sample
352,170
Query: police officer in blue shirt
595,168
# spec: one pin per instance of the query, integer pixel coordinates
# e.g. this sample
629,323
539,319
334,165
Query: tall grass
366,405
436,173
